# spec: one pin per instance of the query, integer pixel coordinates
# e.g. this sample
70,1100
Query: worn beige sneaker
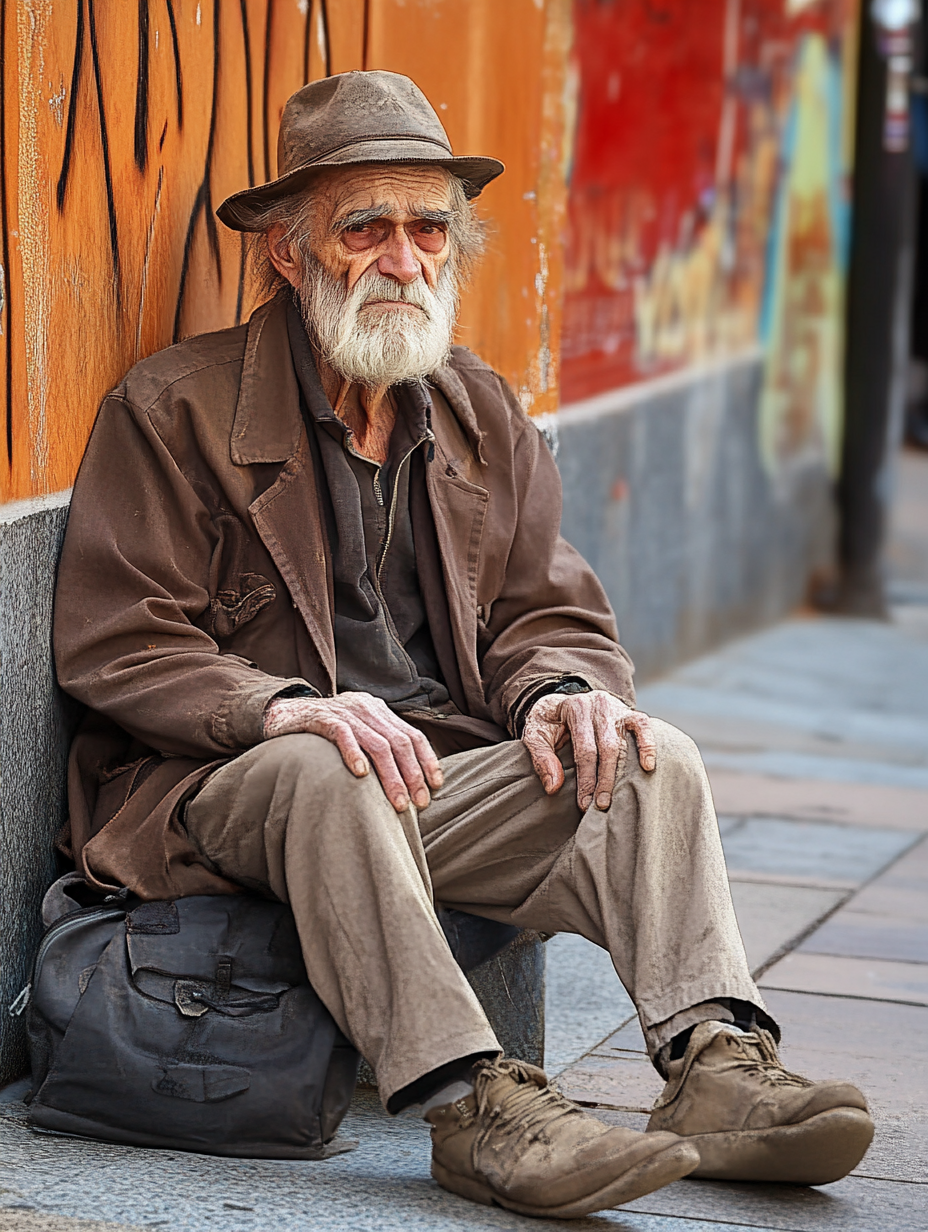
517,1142
752,1120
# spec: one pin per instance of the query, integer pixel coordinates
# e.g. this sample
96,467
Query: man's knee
302,761
678,759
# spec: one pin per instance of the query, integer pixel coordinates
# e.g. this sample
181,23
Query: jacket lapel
459,510
268,427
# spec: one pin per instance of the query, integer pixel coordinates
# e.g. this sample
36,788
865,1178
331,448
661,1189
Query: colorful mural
708,199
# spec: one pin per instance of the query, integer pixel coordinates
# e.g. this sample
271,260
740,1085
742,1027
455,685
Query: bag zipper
24,996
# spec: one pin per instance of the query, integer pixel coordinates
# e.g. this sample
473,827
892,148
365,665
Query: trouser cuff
726,1009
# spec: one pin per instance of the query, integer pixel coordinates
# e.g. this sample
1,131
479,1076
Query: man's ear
280,253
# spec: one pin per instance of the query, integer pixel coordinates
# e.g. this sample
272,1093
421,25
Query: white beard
378,348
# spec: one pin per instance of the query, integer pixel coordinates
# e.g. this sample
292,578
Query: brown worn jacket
195,583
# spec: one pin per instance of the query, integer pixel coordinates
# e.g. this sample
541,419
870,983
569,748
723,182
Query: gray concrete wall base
34,737
667,497
511,989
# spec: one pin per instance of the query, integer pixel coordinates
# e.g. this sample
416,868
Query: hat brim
243,210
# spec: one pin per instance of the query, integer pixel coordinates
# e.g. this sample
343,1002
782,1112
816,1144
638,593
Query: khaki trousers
645,880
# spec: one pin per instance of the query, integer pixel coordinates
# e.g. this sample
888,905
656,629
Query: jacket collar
455,391
267,424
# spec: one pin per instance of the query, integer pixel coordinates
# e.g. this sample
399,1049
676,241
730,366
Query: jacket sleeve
133,579
552,621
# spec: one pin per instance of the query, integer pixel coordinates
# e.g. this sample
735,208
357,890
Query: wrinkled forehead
393,190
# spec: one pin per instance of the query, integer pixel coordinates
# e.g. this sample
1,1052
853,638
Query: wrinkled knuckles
520,1144
753,1120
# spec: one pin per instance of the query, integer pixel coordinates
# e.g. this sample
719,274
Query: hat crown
351,107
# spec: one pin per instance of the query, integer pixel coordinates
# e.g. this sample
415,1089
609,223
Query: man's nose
400,260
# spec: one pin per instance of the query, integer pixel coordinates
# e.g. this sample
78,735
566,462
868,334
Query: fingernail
586,802
359,768
401,804
422,799
603,801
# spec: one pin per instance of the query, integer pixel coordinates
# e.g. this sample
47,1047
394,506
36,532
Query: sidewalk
816,738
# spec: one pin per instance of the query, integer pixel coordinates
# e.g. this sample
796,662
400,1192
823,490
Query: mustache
374,287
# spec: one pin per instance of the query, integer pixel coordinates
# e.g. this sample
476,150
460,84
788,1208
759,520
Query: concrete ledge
35,725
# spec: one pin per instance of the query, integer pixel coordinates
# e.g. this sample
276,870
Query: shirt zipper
391,516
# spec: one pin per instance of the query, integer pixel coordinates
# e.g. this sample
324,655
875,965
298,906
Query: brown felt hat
374,117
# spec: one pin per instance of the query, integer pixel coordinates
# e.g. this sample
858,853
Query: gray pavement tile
628,1038
837,1029
799,765
866,935
856,1204
902,890
884,898
584,999
771,917
726,719
899,1151
872,978
808,849
814,669
860,804
628,1082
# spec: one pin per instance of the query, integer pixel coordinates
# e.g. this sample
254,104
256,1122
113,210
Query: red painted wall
680,111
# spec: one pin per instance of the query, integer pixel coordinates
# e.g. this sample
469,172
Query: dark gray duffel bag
187,1024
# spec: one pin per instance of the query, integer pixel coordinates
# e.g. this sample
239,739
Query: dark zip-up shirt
383,644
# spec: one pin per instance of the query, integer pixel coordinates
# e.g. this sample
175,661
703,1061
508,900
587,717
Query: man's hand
360,724
596,723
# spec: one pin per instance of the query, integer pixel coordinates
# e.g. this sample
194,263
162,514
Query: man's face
392,219
372,272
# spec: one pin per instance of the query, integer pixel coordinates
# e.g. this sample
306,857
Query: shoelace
768,1065
524,1111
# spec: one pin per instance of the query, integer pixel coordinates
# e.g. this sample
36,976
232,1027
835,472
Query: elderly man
334,649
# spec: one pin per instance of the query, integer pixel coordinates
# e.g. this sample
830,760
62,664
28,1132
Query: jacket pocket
233,608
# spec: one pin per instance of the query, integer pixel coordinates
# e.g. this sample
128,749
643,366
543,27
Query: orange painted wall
124,125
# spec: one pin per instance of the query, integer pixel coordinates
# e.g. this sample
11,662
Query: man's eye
358,228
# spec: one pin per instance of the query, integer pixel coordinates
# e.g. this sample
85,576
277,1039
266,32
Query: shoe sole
815,1152
671,1164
